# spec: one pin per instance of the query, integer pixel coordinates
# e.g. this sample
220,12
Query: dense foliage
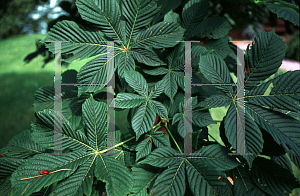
150,81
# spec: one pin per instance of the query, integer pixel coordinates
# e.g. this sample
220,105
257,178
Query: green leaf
128,100
253,136
79,183
125,62
118,179
143,119
166,6
139,15
283,95
142,179
146,56
5,186
283,128
172,17
213,27
215,70
81,42
143,148
272,178
8,165
264,58
193,13
285,12
157,89
43,133
104,14
215,101
160,35
137,82
45,162
159,109
159,140
21,146
201,168
94,117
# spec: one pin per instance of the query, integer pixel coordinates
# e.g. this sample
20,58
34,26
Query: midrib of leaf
112,27
198,172
269,123
175,175
134,23
242,179
79,142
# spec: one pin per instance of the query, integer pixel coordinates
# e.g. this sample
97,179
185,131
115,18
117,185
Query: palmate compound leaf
202,170
144,116
264,58
86,163
105,15
174,76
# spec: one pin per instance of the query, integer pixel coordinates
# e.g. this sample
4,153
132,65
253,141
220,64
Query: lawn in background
19,82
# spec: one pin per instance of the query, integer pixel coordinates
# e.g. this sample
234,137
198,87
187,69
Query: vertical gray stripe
188,100
240,138
110,96
57,101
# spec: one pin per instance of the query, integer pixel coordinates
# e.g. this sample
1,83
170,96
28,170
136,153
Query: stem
173,138
119,144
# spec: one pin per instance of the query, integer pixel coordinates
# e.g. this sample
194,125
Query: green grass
19,81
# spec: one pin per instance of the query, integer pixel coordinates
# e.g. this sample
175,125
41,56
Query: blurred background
26,65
